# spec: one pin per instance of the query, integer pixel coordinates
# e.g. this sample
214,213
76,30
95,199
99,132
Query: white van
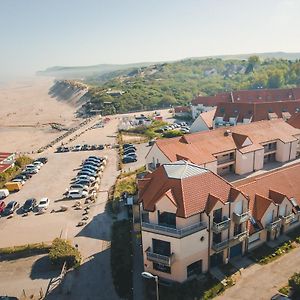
4,193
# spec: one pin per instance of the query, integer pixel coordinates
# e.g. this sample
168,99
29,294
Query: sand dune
25,110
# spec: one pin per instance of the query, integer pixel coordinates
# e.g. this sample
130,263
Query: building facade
193,220
240,149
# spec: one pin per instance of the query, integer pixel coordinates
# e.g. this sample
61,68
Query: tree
276,79
253,61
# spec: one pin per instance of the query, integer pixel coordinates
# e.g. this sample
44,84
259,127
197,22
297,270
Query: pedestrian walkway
138,288
261,282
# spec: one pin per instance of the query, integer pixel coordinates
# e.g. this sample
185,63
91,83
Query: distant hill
62,72
80,72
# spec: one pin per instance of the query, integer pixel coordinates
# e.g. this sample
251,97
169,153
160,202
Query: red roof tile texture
201,147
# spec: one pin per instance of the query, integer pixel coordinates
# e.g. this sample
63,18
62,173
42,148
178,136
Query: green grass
265,254
127,184
25,248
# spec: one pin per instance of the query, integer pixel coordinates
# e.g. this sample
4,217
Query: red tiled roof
250,96
257,111
208,117
201,147
191,194
295,120
180,109
4,156
273,186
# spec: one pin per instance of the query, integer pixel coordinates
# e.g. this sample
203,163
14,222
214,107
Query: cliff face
69,91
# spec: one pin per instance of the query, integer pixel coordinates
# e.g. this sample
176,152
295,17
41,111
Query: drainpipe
228,250
209,236
290,150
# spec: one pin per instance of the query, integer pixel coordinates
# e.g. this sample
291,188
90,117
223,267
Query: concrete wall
198,125
156,156
244,162
283,151
258,159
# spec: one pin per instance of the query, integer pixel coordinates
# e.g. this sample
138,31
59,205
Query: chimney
227,132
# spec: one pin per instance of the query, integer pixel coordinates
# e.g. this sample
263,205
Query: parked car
128,159
13,186
89,167
32,166
94,147
77,186
130,155
100,147
85,177
4,193
26,174
77,194
43,204
21,176
2,206
29,205
44,160
87,173
128,146
128,151
11,207
92,163
77,148
82,181
86,147
31,171
38,163
95,157
20,180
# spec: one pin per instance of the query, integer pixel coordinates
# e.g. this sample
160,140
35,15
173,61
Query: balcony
236,239
227,161
240,218
218,227
173,232
288,219
271,149
220,246
165,260
274,225
230,242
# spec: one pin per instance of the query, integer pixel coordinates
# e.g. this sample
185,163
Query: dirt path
262,282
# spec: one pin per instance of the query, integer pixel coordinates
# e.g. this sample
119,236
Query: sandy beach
25,114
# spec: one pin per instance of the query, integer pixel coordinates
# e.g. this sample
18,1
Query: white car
38,163
85,177
77,148
43,204
77,194
19,180
32,166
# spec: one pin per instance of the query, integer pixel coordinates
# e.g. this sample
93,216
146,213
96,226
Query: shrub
172,133
294,283
22,161
62,251
121,258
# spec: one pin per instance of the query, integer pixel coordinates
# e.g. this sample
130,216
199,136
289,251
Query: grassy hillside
167,84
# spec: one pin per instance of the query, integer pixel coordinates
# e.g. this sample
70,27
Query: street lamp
148,275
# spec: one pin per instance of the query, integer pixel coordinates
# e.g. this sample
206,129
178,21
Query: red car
2,206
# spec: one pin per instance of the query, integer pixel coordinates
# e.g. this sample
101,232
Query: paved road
262,282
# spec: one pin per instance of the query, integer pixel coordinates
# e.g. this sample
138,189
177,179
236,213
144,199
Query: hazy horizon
40,34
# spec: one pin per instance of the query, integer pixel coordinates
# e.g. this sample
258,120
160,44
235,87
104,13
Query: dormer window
166,219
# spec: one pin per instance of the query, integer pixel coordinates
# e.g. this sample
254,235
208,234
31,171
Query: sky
37,34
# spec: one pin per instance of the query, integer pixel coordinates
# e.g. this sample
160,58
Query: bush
62,251
25,248
172,133
121,258
22,161
294,283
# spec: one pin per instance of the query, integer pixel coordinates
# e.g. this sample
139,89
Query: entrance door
268,235
236,250
216,259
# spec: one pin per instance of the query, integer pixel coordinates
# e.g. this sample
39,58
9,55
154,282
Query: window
254,237
194,269
218,215
167,219
161,247
237,229
161,268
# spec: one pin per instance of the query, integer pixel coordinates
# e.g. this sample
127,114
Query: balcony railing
222,161
236,239
218,227
270,149
273,225
288,219
241,218
165,260
173,232
230,242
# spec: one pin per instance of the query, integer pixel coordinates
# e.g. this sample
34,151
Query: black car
11,207
29,205
85,147
101,147
129,159
94,147
128,146
43,160
128,151
26,174
21,176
